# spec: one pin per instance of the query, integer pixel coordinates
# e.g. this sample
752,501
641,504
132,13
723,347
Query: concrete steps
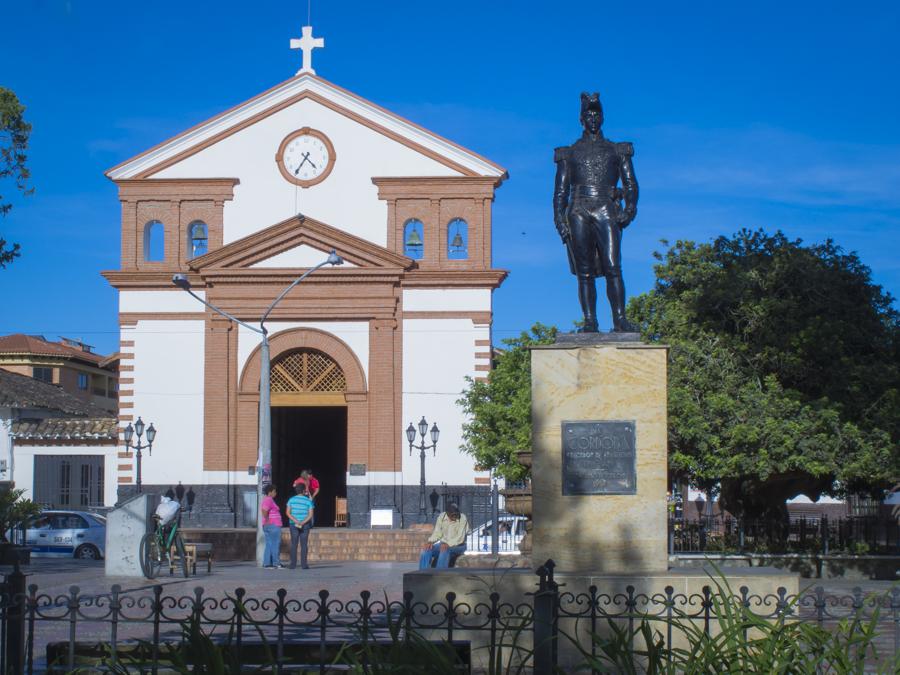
325,544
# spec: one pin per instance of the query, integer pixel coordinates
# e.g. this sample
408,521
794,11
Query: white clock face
306,157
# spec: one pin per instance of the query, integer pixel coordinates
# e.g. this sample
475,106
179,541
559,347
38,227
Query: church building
243,204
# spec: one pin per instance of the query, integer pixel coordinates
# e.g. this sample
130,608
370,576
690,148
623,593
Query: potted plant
15,512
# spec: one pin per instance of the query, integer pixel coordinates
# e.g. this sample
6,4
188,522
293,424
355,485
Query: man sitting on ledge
448,539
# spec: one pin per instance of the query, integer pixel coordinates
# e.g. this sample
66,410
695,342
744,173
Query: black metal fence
821,535
57,633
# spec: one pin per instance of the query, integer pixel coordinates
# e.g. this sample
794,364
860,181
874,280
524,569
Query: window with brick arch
457,239
307,371
154,241
198,239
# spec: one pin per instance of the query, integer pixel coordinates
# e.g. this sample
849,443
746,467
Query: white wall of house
5,442
25,455
264,197
168,391
437,356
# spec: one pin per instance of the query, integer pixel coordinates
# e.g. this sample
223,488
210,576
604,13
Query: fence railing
54,633
820,535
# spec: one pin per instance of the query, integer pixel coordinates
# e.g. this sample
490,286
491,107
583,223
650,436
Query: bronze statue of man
589,215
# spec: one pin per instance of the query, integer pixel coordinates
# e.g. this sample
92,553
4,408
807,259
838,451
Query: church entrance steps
325,544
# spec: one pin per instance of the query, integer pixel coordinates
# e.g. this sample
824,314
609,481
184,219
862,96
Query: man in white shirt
447,540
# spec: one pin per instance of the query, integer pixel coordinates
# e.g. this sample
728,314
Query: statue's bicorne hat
591,102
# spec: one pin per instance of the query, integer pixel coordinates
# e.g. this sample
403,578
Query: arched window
457,239
414,239
198,239
154,241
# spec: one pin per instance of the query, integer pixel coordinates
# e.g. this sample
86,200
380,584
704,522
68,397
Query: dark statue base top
596,338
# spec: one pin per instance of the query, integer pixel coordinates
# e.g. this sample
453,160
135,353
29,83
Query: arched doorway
309,426
319,412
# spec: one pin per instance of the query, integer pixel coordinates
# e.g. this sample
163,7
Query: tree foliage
14,133
499,409
784,369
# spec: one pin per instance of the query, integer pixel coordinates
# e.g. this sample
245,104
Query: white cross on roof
306,44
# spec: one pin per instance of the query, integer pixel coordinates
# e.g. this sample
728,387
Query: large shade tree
784,368
14,133
499,408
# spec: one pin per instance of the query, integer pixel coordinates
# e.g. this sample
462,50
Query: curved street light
265,426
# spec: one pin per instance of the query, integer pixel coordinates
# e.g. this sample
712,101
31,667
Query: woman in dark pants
300,514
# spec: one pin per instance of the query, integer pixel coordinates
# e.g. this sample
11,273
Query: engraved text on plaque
598,458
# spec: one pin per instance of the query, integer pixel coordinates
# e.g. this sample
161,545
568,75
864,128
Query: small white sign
382,517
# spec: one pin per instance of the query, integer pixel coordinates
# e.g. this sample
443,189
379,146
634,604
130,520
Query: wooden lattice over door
307,377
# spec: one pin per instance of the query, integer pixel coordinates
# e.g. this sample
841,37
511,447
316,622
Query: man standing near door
300,514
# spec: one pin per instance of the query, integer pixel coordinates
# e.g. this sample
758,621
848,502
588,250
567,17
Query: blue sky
777,115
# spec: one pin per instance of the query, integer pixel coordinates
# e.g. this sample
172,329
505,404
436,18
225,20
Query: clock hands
305,159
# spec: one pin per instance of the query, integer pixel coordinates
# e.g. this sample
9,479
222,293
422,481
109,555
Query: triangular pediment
298,240
305,87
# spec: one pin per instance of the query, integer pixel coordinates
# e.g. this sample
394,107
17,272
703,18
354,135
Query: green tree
499,409
784,369
14,133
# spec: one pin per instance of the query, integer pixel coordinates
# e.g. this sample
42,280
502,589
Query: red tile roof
27,345
103,429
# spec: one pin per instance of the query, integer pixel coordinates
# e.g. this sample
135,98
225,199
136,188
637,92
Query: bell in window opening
457,239
413,241
198,239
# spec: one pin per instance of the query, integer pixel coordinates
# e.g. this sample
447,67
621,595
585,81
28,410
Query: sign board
598,458
357,469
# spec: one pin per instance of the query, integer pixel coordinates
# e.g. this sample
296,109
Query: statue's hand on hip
626,216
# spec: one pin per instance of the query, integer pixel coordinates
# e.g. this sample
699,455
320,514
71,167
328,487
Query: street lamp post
411,437
265,427
138,429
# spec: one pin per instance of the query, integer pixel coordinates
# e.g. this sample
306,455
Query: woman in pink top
271,516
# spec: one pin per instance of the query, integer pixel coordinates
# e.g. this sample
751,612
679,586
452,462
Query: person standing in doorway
312,484
300,514
271,518
448,539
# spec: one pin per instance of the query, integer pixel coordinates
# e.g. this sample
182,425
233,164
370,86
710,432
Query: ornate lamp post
265,424
411,437
138,429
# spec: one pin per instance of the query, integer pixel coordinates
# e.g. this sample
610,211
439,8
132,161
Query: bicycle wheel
179,548
150,555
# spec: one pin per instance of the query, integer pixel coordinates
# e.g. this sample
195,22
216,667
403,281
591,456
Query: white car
512,529
67,534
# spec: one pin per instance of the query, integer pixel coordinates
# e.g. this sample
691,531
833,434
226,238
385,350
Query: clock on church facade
357,351
305,157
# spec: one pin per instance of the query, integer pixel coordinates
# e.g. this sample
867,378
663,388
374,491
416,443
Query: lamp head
435,434
181,281
139,428
410,434
151,434
129,434
423,427
334,258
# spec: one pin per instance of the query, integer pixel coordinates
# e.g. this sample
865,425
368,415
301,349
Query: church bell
414,240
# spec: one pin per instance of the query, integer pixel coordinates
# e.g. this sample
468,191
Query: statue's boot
587,296
615,291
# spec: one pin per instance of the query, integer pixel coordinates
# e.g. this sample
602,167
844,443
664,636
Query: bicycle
156,547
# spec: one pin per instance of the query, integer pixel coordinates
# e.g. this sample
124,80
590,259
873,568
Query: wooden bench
191,552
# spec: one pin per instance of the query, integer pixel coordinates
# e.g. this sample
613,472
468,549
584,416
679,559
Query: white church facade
243,204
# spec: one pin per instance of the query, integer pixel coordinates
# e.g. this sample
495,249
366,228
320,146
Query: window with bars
307,371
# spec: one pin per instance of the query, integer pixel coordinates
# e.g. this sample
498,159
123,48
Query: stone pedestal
125,526
613,519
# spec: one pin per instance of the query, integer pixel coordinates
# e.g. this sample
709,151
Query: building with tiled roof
71,364
60,448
